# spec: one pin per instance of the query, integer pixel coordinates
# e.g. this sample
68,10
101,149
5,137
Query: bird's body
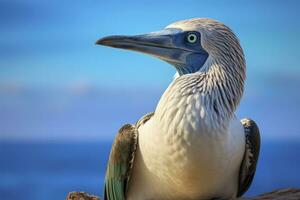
185,148
187,165
193,147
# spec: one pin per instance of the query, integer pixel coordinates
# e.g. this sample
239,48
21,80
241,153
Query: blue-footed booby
193,147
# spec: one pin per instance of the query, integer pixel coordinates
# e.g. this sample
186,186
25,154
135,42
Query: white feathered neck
206,99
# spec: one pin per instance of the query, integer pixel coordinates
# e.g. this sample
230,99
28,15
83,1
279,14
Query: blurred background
62,99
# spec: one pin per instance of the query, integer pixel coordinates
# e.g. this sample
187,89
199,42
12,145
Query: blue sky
51,43
47,50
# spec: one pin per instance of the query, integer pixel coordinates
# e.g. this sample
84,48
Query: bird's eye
192,38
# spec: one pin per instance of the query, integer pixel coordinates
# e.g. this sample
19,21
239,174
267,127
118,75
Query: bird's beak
159,44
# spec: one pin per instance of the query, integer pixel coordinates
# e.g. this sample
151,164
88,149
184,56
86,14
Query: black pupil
192,37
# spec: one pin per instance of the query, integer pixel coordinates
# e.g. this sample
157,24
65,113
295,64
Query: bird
193,146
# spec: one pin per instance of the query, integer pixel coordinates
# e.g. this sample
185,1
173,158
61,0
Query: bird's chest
180,155
180,162
184,133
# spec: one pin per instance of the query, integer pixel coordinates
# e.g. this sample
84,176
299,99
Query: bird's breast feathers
183,146
192,140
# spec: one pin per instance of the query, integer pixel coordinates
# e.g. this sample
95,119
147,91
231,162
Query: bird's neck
209,97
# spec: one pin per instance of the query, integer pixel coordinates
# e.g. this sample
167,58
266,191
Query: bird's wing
121,160
248,166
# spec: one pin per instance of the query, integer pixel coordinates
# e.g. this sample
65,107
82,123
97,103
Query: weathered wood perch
282,194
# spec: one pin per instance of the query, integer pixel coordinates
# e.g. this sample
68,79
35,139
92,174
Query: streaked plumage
193,146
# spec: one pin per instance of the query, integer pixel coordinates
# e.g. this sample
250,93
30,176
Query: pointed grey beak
169,45
159,44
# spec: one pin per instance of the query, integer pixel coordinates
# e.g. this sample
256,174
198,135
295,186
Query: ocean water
32,171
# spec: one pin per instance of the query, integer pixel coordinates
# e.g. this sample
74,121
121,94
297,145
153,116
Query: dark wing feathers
121,160
119,164
248,166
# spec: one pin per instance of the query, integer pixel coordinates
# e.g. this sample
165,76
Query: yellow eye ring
192,38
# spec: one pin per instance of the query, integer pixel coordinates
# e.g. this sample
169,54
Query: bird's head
194,45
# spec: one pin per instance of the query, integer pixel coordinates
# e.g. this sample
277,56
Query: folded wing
121,160
248,166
